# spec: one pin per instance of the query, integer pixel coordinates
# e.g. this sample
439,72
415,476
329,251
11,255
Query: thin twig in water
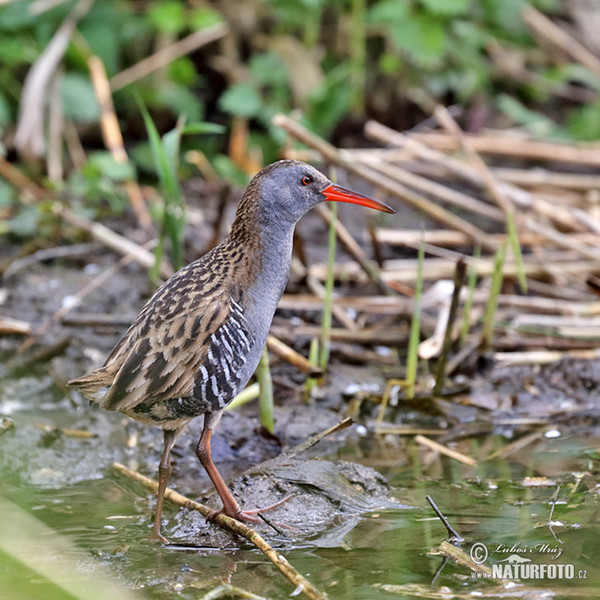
298,580
454,535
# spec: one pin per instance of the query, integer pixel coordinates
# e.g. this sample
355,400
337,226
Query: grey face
289,189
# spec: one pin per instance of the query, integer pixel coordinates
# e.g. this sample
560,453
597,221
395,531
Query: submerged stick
463,458
293,576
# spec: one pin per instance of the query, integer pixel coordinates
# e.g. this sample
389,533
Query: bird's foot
249,516
158,538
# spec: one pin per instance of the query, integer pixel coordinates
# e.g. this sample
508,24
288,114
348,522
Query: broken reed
487,335
412,360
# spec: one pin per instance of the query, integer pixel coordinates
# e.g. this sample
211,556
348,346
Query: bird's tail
94,385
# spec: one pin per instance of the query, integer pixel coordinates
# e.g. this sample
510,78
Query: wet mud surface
352,490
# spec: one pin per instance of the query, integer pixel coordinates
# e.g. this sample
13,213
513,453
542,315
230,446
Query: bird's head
286,190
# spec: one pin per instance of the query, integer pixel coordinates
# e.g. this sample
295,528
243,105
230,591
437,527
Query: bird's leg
230,506
164,474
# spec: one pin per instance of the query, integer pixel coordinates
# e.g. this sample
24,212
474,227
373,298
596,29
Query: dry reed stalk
545,28
354,249
389,336
444,193
113,240
167,55
435,446
301,584
404,270
515,147
288,354
333,155
376,305
113,139
448,237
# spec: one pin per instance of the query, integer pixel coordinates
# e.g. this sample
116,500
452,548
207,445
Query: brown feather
159,356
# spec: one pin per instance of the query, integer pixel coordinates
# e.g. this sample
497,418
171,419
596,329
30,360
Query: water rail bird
198,340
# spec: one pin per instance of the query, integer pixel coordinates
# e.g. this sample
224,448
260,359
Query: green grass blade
326,319
415,330
313,358
263,374
513,240
165,154
492,303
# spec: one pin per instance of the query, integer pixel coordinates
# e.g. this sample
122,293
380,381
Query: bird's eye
306,180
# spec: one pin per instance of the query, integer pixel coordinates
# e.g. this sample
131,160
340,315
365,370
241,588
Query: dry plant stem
445,119
460,275
380,337
423,441
354,249
332,154
288,354
447,237
543,177
27,186
559,37
311,441
112,240
505,63
444,193
523,149
167,55
517,445
338,311
29,136
113,139
384,305
14,326
297,580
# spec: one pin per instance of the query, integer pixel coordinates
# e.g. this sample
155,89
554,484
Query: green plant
412,360
326,315
265,399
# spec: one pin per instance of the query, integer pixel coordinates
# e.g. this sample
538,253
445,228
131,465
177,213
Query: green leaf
182,71
5,113
388,12
203,17
538,124
168,17
25,223
269,68
107,166
447,7
103,40
422,37
584,123
7,193
241,100
202,127
79,99
181,101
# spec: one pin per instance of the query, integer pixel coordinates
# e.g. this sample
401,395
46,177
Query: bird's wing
167,359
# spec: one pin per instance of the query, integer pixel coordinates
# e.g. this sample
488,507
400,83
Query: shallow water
67,484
